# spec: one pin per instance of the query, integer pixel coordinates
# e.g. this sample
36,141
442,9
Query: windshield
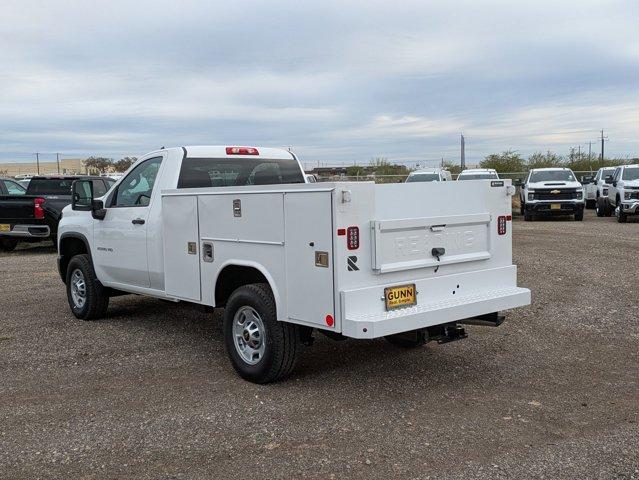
631,174
224,172
477,176
552,176
50,186
606,172
423,177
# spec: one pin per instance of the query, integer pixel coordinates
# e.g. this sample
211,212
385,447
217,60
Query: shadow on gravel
199,330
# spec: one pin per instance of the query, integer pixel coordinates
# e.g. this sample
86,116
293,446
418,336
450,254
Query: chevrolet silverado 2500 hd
552,191
623,193
238,227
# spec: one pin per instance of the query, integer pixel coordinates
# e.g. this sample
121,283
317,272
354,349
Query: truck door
120,239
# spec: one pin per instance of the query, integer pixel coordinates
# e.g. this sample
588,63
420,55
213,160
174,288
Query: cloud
341,81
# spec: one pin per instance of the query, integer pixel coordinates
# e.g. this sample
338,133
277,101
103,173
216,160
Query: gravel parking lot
149,393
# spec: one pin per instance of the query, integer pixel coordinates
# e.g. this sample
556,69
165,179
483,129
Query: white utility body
354,258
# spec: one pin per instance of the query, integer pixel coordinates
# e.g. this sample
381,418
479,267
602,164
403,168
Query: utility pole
463,152
57,159
590,151
38,162
602,148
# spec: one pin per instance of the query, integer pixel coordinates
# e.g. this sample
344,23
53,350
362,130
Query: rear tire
8,244
414,339
261,348
87,297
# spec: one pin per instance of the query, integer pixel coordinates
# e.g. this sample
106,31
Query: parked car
411,263
33,215
13,188
551,191
429,175
478,174
623,193
596,186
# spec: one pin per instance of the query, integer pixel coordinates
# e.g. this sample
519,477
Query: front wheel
87,297
8,244
601,207
621,216
261,349
579,215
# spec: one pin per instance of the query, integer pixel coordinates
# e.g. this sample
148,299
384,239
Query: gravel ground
148,392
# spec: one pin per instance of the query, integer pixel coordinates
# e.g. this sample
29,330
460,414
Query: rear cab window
13,188
50,186
233,172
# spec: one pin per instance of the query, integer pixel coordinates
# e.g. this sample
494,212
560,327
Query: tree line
103,165
511,161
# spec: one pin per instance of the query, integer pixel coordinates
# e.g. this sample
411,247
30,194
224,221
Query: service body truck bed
409,262
284,232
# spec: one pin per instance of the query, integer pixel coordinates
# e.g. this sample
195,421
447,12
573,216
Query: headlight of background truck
605,191
626,195
531,195
580,194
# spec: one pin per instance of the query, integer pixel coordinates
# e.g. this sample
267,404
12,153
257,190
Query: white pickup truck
238,227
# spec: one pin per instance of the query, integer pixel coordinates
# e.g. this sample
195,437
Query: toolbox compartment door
181,247
309,246
408,243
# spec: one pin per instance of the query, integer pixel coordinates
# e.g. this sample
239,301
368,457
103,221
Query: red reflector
38,211
341,231
241,151
329,320
501,225
352,238
509,217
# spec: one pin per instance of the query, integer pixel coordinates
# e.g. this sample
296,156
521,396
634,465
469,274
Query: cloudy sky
339,81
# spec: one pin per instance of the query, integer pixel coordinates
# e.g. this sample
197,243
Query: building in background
68,166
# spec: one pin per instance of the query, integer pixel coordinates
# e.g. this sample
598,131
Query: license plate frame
5,227
394,299
555,206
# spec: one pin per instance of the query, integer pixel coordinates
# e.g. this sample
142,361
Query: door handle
137,221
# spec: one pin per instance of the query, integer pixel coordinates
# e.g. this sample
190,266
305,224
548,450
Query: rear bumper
28,231
545,207
476,293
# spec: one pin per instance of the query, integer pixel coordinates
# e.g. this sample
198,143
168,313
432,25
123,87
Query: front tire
86,295
602,207
579,216
261,348
621,216
8,244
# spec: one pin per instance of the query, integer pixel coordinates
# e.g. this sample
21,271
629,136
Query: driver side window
136,189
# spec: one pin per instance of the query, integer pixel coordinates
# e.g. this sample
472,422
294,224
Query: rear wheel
261,348
8,244
86,295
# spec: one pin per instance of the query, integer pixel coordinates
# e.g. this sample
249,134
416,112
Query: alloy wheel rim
249,335
78,289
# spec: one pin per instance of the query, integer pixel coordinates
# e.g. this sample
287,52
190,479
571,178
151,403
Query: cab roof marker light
242,151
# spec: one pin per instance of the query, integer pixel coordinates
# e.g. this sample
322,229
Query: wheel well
232,277
69,247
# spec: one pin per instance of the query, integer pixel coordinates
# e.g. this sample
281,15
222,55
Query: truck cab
478,174
429,175
623,193
239,228
551,191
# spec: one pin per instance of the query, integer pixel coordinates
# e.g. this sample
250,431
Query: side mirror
608,179
82,195
518,182
586,180
82,199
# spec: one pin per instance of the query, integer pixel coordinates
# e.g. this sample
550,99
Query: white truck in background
596,187
238,227
623,194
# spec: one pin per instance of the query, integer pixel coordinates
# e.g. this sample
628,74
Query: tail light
352,237
241,151
501,225
38,211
